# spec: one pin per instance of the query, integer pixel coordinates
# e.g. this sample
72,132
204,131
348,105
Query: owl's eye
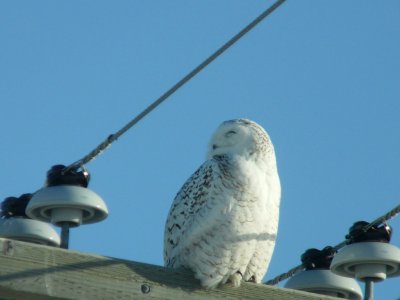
230,133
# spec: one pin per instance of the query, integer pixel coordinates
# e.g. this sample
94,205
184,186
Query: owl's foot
252,279
236,279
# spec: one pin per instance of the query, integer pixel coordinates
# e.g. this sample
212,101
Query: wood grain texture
30,271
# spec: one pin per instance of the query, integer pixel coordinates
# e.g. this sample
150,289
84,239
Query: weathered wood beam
29,272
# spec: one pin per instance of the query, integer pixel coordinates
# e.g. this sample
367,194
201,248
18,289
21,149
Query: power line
381,220
113,137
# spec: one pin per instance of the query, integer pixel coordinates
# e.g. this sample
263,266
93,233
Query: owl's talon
236,279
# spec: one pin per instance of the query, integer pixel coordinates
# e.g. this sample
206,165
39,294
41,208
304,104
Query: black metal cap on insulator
317,259
58,176
357,234
15,206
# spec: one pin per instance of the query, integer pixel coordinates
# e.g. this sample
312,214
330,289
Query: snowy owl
223,222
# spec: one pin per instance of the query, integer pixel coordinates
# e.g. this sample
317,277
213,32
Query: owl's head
241,137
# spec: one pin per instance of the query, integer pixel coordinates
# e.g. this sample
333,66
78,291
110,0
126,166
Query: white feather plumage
223,222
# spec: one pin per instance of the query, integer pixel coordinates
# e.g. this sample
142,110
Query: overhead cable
113,137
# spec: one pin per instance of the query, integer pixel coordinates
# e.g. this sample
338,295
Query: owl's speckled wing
191,212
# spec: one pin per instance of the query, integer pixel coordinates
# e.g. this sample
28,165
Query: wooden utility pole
32,272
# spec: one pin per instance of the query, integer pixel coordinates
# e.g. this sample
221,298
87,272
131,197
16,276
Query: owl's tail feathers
211,281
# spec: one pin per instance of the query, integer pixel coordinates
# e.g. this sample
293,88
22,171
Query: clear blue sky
323,78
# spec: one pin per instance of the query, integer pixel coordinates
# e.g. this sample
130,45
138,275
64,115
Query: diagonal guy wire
113,137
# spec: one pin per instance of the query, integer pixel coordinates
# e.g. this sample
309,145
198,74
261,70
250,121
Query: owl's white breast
255,204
